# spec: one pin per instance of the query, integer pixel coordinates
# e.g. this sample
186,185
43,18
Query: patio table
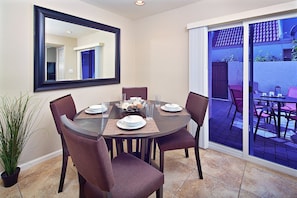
279,101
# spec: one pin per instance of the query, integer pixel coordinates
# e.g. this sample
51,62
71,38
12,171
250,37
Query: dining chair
60,106
124,176
134,92
196,105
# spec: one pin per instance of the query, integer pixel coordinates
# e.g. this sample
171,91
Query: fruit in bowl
133,106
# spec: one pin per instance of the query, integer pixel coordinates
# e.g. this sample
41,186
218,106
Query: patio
266,146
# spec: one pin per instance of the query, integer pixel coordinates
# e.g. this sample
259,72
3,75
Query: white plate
132,120
122,125
171,110
89,111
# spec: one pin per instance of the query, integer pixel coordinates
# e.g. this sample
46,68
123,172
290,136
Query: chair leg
63,171
162,161
233,120
186,152
129,145
159,192
256,129
111,149
137,145
197,155
154,152
230,109
286,127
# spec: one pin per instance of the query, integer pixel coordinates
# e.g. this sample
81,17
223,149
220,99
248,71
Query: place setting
170,109
96,111
133,123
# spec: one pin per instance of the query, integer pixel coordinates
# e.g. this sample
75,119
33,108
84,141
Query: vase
10,180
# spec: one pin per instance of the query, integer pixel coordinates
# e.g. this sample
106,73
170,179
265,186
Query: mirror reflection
71,52
75,52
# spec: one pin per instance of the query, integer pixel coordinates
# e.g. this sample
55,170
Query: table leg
146,149
278,118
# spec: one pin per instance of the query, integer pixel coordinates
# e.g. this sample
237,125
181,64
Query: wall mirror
73,52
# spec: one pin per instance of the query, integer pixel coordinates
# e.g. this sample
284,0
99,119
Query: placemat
166,113
84,115
112,129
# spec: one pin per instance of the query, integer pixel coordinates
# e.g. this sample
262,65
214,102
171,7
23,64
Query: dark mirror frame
39,51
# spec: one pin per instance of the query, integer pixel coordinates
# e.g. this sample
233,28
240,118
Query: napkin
112,129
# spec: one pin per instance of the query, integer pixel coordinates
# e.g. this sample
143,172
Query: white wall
162,44
154,53
16,67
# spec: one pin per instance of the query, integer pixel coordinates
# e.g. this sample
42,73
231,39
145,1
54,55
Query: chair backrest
292,92
135,92
196,106
237,87
237,98
60,106
89,154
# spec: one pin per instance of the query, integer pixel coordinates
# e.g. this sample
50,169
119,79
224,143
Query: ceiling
128,9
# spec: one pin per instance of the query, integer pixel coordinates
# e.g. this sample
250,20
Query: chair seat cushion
133,178
178,140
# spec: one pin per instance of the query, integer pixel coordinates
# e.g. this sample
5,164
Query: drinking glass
157,100
105,114
149,111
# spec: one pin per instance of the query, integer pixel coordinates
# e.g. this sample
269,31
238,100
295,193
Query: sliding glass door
259,60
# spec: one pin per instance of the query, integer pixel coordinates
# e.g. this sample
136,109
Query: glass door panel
225,71
273,73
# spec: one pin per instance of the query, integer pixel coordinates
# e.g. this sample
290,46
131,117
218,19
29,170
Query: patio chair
290,117
196,105
290,108
124,176
237,100
265,112
239,87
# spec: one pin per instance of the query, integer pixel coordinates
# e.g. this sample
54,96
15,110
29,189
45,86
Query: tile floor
224,176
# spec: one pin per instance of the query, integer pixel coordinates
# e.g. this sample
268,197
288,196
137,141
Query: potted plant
15,124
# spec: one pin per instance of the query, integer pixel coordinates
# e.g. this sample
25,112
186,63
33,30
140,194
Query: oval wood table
163,123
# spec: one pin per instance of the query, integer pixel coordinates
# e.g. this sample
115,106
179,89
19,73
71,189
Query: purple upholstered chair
125,176
61,106
196,106
135,92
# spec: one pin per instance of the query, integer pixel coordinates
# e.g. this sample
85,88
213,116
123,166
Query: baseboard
36,161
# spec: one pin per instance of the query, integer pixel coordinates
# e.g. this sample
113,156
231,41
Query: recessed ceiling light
68,31
139,3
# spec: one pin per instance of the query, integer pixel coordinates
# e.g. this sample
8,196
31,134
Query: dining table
279,100
106,124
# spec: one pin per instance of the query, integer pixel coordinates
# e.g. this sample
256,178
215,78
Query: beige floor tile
264,182
224,176
223,167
